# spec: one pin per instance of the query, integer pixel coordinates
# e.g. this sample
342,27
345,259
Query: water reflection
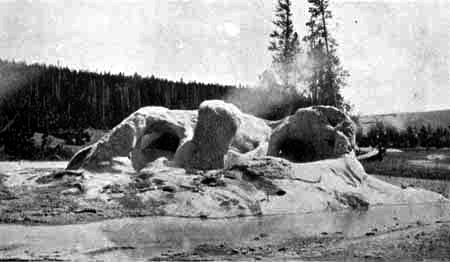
151,236
159,234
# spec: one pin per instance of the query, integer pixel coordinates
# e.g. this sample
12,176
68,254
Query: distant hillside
403,120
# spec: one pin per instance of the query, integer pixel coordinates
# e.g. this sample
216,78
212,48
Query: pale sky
397,52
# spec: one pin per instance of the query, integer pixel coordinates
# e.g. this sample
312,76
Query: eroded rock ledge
220,162
218,134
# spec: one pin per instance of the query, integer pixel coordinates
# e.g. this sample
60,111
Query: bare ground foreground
45,224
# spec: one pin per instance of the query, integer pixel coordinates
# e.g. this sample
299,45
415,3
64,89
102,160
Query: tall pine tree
327,76
284,44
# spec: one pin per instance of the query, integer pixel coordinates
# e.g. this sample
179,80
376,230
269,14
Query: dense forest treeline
42,98
389,136
46,98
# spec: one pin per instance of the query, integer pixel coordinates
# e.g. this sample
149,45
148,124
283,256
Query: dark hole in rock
212,181
166,142
296,150
170,189
281,192
158,144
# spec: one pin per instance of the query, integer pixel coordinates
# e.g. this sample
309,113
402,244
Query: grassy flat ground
429,169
